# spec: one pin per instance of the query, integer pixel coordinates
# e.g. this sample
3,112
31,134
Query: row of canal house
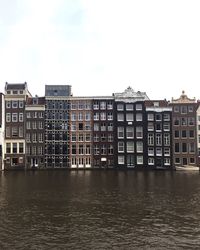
123,130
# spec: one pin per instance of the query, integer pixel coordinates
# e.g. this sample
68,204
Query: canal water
99,210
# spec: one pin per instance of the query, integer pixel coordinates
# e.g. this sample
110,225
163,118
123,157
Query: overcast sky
102,46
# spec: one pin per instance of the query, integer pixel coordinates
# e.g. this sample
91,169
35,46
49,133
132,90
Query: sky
100,47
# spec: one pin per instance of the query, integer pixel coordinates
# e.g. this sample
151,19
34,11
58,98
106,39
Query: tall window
138,117
8,117
21,117
150,139
120,131
129,132
158,139
139,146
120,147
139,132
14,117
167,139
130,146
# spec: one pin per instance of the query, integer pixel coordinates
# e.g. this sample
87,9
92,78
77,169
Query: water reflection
99,210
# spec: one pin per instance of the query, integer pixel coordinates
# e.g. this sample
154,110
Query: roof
15,86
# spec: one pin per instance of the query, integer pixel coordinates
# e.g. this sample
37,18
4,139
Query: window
150,126
110,149
184,121
158,117
138,106
184,133
40,137
73,149
34,137
21,104
14,148
150,161
73,137
110,105
96,149
8,104
80,137
96,137
129,117
151,151
21,134
120,147
110,116
130,146
73,116
120,159
40,150
129,106
120,107
151,139
190,109
139,132
21,117
73,126
103,149
34,150
192,160
8,117
103,126
138,117
96,105
103,137
21,148
184,147
7,131
191,121
103,116
14,117
34,125
14,104
88,150
28,137
176,133
102,105
158,151
191,147
96,116
120,117
81,105
139,146
87,137
176,121
14,131
8,148
166,117
28,115
176,109
80,116
166,127
150,117
110,126
177,147
110,137
87,126
129,132
81,149
87,116
139,159
158,139
40,125
166,139
120,131
183,109
35,114
80,126
167,151
158,126
167,161
177,160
